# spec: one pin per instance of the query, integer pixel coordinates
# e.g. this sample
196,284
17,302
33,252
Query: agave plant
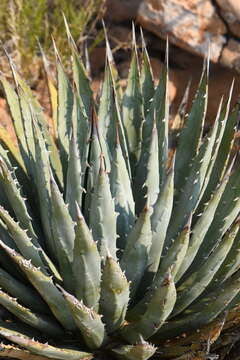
112,243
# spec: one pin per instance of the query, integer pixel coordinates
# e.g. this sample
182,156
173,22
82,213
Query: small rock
231,55
190,24
231,6
121,10
230,10
97,59
120,36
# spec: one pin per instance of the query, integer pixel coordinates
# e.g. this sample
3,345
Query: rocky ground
190,25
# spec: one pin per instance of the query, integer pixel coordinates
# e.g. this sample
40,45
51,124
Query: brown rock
121,10
235,27
231,6
97,59
190,24
230,10
120,36
231,55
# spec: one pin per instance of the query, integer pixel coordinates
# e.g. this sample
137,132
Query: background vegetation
22,22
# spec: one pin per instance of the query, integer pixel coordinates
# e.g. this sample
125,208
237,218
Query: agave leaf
158,111
42,180
121,132
135,256
14,105
6,140
231,262
190,137
20,82
38,321
22,292
52,90
81,130
13,193
114,295
232,307
103,219
6,236
46,288
93,165
21,239
82,83
132,109
189,196
54,104
122,195
222,118
178,120
45,349
65,108
30,156
226,145
146,181
201,227
146,78
39,118
86,265
226,213
159,221
17,175
141,351
196,283
109,121
106,103
172,261
74,189
88,321
28,116
116,96
12,190
222,156
17,353
16,325
112,65
202,312
162,120
175,255
63,234
80,77
152,179
5,260
105,151
157,311
4,154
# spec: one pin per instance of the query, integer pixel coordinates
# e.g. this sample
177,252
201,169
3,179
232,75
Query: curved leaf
114,295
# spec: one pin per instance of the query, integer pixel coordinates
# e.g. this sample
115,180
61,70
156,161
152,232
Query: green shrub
22,22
